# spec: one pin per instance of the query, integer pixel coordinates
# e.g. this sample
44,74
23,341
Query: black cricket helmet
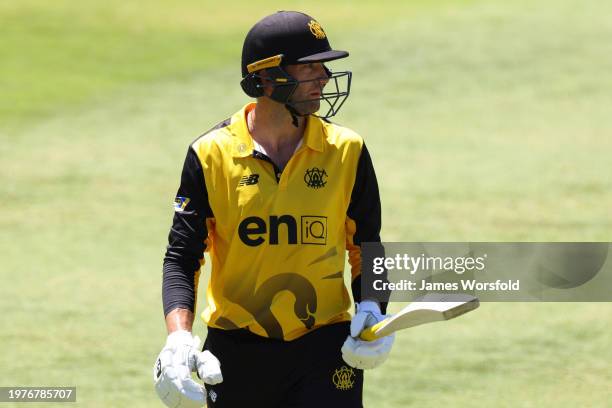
287,38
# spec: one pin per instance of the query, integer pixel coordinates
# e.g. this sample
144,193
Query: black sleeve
186,241
364,210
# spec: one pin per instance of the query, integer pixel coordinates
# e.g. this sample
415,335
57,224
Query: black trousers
268,373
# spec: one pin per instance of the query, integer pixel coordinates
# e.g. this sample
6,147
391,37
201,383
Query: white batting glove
364,354
173,368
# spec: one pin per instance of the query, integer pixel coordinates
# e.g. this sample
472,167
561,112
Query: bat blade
430,308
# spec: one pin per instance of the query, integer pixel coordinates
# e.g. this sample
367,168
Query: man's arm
363,225
184,257
363,219
179,319
186,246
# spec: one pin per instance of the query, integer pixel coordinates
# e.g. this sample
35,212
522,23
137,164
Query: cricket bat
430,308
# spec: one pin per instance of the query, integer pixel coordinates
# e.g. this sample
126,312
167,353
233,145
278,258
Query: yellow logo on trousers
344,378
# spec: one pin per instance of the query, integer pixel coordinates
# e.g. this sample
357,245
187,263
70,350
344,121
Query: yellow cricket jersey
277,239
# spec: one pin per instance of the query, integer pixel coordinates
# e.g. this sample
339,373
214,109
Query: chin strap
294,114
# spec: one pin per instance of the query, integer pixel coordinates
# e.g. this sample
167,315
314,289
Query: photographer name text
466,284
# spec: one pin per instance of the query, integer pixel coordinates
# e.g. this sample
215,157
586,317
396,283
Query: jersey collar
243,144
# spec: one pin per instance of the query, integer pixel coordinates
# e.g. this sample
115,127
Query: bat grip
369,333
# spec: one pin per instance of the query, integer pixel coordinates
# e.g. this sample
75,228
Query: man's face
309,91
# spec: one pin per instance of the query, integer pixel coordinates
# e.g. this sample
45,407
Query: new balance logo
249,180
213,396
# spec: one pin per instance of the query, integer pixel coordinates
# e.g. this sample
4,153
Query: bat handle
369,333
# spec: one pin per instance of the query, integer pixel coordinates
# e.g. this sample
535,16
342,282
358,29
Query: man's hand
366,354
173,368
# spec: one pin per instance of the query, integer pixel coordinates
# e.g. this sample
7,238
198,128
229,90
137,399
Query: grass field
486,120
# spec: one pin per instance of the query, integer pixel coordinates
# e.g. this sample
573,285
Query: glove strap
179,337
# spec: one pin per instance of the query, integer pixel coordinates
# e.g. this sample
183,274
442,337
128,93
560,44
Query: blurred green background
486,120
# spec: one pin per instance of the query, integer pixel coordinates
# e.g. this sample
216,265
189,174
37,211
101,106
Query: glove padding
173,368
364,354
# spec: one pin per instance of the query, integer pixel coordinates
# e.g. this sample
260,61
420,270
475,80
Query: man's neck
271,125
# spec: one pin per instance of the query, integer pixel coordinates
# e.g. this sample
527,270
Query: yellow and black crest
315,177
344,378
316,30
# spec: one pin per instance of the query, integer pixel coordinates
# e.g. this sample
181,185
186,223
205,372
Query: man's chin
307,108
